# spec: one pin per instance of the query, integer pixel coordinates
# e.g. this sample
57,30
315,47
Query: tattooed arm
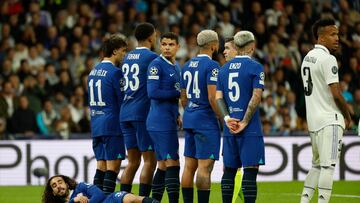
252,106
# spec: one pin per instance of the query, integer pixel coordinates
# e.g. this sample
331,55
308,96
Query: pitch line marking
298,194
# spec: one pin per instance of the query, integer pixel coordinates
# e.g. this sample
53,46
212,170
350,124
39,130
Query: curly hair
49,197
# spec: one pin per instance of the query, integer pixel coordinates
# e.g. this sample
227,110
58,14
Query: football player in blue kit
202,139
61,189
134,110
239,88
163,88
105,97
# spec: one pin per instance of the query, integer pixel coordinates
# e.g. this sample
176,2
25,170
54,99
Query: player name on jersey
235,66
310,59
100,72
194,64
133,56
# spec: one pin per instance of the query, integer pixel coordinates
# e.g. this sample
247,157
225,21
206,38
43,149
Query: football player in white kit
327,113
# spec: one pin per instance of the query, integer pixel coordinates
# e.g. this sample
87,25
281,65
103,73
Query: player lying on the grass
62,189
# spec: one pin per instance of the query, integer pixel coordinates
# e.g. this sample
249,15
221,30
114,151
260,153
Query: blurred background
48,47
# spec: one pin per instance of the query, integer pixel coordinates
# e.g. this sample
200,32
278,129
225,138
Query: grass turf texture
279,192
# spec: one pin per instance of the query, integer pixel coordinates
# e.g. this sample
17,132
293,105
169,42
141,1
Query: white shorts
326,145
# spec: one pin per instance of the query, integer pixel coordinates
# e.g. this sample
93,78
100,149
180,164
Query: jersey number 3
308,86
99,95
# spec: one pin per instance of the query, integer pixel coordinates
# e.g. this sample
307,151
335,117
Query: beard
63,194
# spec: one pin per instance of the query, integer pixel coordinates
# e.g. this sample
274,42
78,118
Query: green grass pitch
279,192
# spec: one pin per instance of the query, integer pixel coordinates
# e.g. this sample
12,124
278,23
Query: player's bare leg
147,173
112,170
203,179
187,179
127,177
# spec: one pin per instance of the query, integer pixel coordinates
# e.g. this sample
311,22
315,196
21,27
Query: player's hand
241,126
81,198
232,124
179,122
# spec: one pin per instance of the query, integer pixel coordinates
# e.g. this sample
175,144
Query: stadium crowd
48,48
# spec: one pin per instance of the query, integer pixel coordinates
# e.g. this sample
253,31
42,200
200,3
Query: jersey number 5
195,87
234,88
134,69
99,95
308,86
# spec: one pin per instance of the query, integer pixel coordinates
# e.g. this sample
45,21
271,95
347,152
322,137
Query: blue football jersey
105,97
163,88
237,79
196,75
136,104
92,192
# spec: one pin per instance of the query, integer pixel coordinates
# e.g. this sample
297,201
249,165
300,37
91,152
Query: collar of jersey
106,61
203,55
243,56
319,46
70,193
141,48
167,61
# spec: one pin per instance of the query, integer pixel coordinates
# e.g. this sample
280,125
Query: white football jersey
319,69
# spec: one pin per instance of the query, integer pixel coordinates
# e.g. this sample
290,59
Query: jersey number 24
195,86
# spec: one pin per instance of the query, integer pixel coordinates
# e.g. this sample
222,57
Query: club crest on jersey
334,69
177,86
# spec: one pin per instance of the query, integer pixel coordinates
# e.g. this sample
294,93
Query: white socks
311,182
325,184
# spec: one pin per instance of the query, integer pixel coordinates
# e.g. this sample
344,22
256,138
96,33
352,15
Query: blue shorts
136,136
202,144
166,144
239,151
115,197
109,147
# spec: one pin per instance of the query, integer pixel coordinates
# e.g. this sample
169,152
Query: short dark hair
170,35
320,24
143,31
48,195
230,39
114,42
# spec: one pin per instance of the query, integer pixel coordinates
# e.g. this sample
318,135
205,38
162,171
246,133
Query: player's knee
134,164
101,165
149,165
205,169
